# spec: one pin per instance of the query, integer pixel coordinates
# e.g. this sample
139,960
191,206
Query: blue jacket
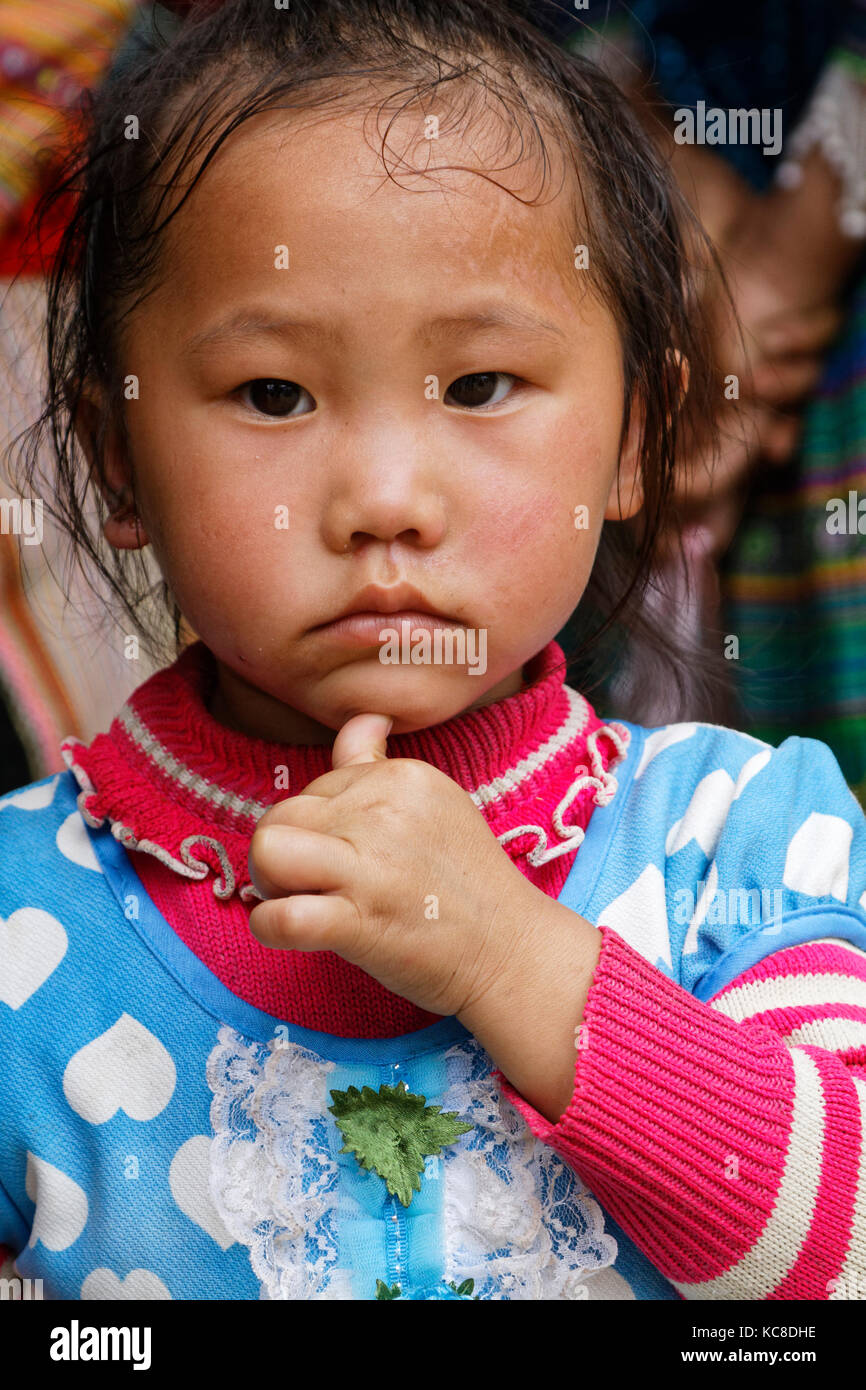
162,1138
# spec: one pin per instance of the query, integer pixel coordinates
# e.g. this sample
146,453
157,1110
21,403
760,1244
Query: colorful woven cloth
795,586
50,54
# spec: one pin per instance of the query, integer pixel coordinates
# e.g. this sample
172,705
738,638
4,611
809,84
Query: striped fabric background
794,592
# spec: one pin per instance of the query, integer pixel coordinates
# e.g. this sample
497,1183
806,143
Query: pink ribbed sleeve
727,1138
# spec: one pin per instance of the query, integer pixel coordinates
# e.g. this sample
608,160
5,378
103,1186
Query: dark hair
192,83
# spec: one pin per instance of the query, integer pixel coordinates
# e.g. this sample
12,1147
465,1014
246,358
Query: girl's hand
389,863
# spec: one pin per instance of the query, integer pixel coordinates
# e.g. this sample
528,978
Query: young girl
361,958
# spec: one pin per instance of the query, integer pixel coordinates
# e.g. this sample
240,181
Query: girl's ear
101,441
627,494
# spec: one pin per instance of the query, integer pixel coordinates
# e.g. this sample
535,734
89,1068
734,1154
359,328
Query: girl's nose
390,503
419,522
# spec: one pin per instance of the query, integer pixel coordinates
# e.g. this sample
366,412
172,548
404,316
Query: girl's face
296,261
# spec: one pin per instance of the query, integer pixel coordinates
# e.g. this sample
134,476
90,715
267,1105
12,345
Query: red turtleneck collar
183,793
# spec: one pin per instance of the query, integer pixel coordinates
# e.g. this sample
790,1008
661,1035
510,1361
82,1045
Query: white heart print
189,1179
74,843
61,1205
125,1068
31,798
32,945
104,1284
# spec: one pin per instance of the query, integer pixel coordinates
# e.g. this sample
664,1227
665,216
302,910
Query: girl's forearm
530,1019
733,1154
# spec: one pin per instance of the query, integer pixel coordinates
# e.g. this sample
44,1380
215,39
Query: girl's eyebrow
495,316
480,319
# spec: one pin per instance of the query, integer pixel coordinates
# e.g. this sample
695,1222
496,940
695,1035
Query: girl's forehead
320,189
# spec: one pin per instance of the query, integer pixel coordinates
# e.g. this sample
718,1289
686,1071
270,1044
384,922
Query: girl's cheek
550,529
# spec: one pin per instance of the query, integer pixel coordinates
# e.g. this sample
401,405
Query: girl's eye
273,397
479,389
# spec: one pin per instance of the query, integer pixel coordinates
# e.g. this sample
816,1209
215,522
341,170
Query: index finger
308,812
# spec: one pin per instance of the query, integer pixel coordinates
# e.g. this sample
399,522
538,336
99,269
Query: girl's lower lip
364,629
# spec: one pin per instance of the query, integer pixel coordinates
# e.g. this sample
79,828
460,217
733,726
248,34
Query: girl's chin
415,696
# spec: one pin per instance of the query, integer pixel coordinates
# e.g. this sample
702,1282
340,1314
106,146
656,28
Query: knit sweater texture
183,793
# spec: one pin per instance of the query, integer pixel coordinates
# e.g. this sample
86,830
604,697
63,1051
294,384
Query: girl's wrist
529,1018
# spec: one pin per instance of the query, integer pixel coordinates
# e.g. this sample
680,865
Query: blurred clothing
791,592
51,52
59,675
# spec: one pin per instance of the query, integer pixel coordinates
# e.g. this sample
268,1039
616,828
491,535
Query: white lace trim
516,1219
273,1178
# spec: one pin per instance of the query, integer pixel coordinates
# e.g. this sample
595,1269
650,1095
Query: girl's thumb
362,739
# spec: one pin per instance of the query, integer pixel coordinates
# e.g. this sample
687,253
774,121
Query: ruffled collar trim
174,782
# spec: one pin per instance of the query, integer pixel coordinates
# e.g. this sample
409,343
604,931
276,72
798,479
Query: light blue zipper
397,1235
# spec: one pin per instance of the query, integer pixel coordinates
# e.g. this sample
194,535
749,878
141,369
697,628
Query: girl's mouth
371,629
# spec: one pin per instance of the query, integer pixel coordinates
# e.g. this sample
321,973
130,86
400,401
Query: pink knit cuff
680,1119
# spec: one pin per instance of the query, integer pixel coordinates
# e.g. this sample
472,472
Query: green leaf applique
391,1131
382,1290
464,1290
